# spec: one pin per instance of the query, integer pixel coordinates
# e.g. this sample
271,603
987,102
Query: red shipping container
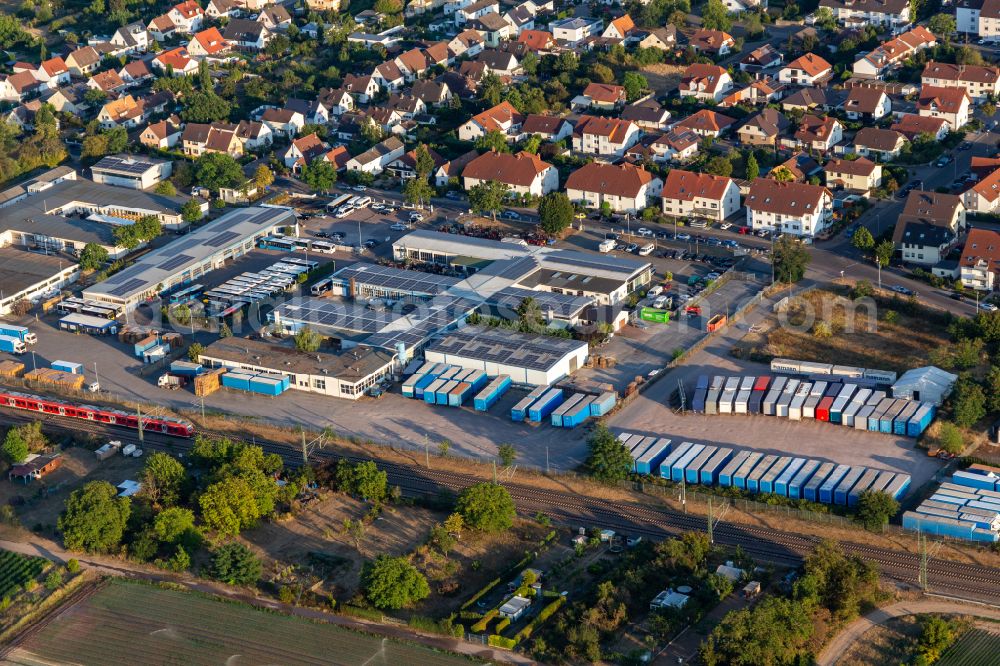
823,409
762,383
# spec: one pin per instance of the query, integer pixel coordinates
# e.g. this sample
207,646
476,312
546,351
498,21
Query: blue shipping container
801,478
781,483
846,483
709,472
740,476
603,404
754,477
236,380
693,467
579,413
493,391
826,490
649,461
725,478
423,383
430,393
921,419
519,411
544,405
677,468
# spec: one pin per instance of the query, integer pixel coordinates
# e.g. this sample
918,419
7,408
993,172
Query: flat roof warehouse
191,256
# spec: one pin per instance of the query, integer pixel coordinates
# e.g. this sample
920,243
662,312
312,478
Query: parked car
360,188
725,225
899,289
988,307
399,226
510,215
453,195
631,247
683,237
643,231
416,217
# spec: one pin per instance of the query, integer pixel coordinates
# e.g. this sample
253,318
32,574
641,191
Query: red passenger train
58,407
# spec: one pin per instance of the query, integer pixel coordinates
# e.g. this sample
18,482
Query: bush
72,565
481,593
482,625
501,642
501,625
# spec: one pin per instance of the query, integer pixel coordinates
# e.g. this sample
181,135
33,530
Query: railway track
974,582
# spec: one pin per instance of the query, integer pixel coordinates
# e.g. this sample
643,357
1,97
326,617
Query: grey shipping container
674,456
741,406
863,484
861,417
801,478
712,401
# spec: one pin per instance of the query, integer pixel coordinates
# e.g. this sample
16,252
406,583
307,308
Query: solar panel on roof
221,239
175,261
127,287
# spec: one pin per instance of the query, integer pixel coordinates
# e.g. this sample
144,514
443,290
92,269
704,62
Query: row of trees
130,236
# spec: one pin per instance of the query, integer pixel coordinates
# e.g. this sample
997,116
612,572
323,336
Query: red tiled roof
708,121
794,199
520,169
686,185
623,180
811,64
607,94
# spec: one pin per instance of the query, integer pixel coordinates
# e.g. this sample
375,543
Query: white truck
606,245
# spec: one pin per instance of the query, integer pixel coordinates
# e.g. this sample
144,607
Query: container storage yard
849,399
967,507
788,476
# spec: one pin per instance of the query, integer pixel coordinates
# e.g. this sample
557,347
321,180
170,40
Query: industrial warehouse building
191,256
137,173
30,275
607,280
528,358
345,375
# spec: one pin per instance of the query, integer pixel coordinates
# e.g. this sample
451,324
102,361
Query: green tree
191,211
217,170
942,25
235,564
180,560
391,583
635,85
884,252
229,506
720,166
423,163
493,140
529,315
774,632
95,517
225,331
307,340
791,258
782,174
507,454
319,175
487,507
948,437
165,188
93,257
875,508
862,239
936,635
487,198
715,16
205,107
14,448
174,525
417,191
556,213
363,479
968,403
608,460
491,89
163,479
601,73
263,177
195,351
753,169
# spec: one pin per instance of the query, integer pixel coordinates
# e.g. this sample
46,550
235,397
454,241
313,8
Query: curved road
839,646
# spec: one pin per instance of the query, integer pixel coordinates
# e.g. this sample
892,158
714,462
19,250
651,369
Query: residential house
706,123
388,120
700,195
712,42
217,9
388,76
19,87
761,58
501,63
881,144
163,135
284,122
83,61
377,158
175,62
438,54
412,63
254,135
604,136
929,226
890,55
760,91
705,82
573,31
623,187
71,99
107,81
763,128
989,21
524,173
136,72
867,104
740,6
967,16
304,150
469,43
521,17
405,166
806,70
199,138
247,35
53,73
365,87
805,99
494,28
475,10
980,82
188,16
891,14
619,28
314,111
984,195
951,104
980,260
819,134
664,39
798,209
431,93
912,125
548,128
860,175
338,157
677,145
124,111
802,167
132,38
161,28
648,114
503,118
208,43
275,17
600,96
449,172
537,41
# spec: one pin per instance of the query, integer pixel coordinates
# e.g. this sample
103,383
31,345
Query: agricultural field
860,335
16,570
129,623
977,647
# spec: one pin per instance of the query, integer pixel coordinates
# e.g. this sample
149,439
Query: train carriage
60,407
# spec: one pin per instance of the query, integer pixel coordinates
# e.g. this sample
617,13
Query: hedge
358,611
470,616
501,625
481,593
538,621
480,627
501,642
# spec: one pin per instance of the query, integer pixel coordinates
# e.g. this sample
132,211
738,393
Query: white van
646,250
606,245
655,291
